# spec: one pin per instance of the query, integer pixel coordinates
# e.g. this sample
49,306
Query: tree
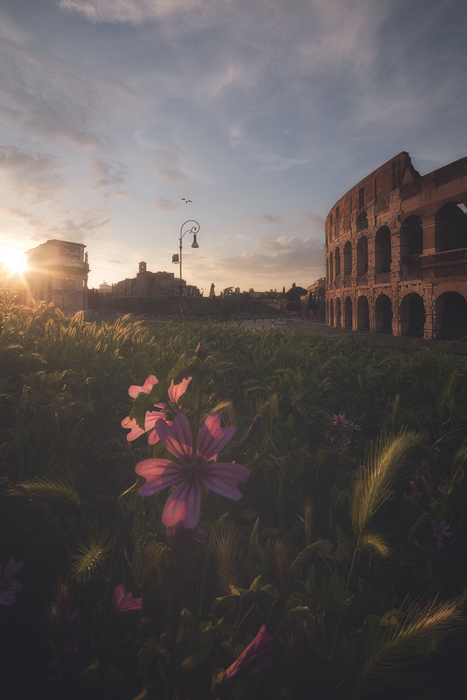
212,293
227,292
192,291
295,293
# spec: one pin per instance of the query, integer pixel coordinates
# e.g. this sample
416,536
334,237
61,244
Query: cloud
164,204
133,11
38,175
266,218
314,220
75,224
107,179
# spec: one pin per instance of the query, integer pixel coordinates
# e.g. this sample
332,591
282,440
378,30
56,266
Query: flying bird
186,200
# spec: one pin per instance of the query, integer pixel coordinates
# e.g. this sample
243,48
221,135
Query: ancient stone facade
57,271
149,284
396,252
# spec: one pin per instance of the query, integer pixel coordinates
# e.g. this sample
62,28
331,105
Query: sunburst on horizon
13,259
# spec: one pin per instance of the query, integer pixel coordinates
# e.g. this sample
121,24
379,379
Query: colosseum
396,252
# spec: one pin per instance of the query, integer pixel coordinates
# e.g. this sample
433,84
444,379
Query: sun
13,259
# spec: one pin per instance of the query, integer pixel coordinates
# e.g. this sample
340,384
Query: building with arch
396,252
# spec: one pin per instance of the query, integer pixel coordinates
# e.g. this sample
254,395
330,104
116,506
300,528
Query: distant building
105,288
317,293
57,271
149,284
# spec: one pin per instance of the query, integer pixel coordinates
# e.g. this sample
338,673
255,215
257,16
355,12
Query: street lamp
194,230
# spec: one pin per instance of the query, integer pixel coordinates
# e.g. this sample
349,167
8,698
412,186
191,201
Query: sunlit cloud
106,178
36,175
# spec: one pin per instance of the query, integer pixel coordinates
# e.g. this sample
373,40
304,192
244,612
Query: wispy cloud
35,175
164,204
108,179
133,11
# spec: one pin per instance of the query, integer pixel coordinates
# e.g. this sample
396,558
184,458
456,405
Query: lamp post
194,230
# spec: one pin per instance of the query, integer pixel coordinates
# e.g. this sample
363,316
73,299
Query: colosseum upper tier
396,252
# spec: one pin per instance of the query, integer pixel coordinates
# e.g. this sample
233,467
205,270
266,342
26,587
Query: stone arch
383,314
383,250
337,262
331,267
348,258
362,255
362,222
450,316
348,313
450,227
411,236
412,315
338,313
331,312
363,314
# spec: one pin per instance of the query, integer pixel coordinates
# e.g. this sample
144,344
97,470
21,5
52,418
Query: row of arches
340,262
449,321
450,222
450,233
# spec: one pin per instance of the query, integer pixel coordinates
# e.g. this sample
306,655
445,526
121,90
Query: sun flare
13,259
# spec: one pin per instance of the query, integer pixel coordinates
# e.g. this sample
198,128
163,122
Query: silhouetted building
57,271
149,284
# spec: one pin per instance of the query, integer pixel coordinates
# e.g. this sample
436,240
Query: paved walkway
295,324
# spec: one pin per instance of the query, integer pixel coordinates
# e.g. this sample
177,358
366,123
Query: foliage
348,543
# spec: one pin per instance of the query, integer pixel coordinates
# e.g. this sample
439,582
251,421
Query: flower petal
183,506
149,422
11,569
224,477
176,438
135,390
177,390
212,438
8,592
159,473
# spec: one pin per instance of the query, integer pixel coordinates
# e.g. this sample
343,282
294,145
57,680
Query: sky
262,112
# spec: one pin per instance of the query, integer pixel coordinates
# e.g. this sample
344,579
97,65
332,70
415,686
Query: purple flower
8,588
340,420
327,385
441,530
123,600
254,655
182,508
33,409
354,426
304,452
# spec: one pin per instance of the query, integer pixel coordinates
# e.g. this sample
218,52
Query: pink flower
149,423
177,390
340,420
123,600
8,588
182,508
254,655
134,390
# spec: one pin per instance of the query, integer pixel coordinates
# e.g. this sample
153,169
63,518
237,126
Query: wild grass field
316,551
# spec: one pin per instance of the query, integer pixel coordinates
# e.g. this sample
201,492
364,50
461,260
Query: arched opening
411,236
338,313
337,262
348,313
331,270
383,250
363,314
347,259
362,222
383,314
412,315
451,316
450,228
331,312
362,256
